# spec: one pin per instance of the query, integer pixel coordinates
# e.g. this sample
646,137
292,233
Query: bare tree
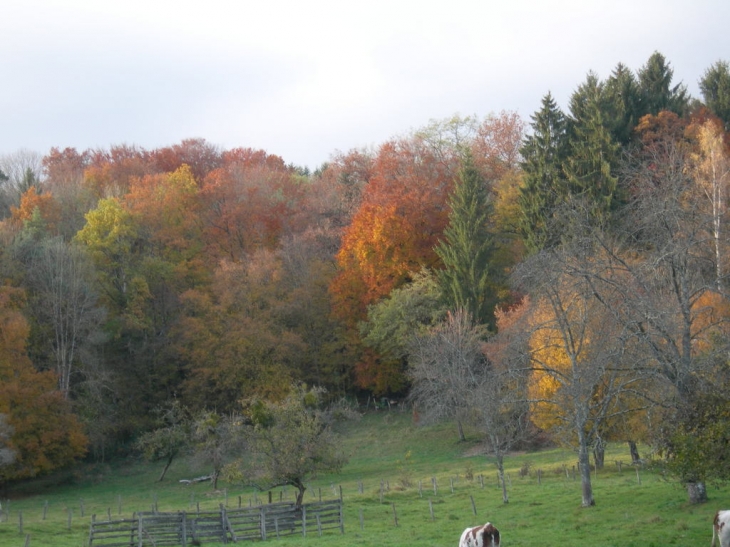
452,377
446,363
664,271
576,351
62,278
22,169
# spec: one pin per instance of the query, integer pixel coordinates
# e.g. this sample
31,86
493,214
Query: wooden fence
224,526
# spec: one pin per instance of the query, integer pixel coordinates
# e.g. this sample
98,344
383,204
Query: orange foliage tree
392,234
248,204
230,339
395,229
46,435
31,203
110,172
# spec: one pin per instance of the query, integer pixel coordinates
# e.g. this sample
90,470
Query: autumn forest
565,275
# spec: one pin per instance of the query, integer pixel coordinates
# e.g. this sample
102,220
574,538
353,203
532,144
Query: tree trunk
697,492
500,471
585,473
599,453
462,438
634,452
300,494
167,466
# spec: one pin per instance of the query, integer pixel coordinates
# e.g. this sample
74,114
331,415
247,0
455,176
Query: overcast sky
305,78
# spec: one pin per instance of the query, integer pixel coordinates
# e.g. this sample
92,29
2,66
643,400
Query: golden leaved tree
576,351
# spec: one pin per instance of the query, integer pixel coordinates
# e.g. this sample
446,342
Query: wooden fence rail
224,526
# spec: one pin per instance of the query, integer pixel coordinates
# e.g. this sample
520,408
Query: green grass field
385,448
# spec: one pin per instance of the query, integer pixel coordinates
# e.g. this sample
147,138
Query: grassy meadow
386,449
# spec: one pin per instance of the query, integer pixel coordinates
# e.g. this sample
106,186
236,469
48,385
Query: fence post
262,517
395,516
45,509
140,529
20,522
430,509
473,505
91,529
184,529
304,521
342,517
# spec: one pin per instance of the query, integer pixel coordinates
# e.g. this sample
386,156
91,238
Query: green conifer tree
621,104
715,88
593,153
545,186
656,91
467,248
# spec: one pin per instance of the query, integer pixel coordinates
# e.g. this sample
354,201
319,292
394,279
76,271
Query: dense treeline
583,255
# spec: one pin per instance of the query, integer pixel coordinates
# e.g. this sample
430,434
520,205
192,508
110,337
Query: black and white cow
485,535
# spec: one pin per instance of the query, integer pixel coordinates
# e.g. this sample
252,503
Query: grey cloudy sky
304,78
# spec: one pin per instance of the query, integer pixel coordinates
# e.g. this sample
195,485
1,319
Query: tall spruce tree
593,152
467,248
656,91
715,88
545,185
621,104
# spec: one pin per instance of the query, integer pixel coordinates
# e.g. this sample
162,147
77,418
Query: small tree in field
453,377
214,437
287,442
170,438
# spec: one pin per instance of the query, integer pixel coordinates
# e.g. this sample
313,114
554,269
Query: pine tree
593,153
467,248
545,185
621,104
715,88
656,91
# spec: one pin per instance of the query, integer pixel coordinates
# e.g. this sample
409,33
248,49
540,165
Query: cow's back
480,536
721,528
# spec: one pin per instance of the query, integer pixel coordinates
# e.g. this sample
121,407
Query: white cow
485,535
721,529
